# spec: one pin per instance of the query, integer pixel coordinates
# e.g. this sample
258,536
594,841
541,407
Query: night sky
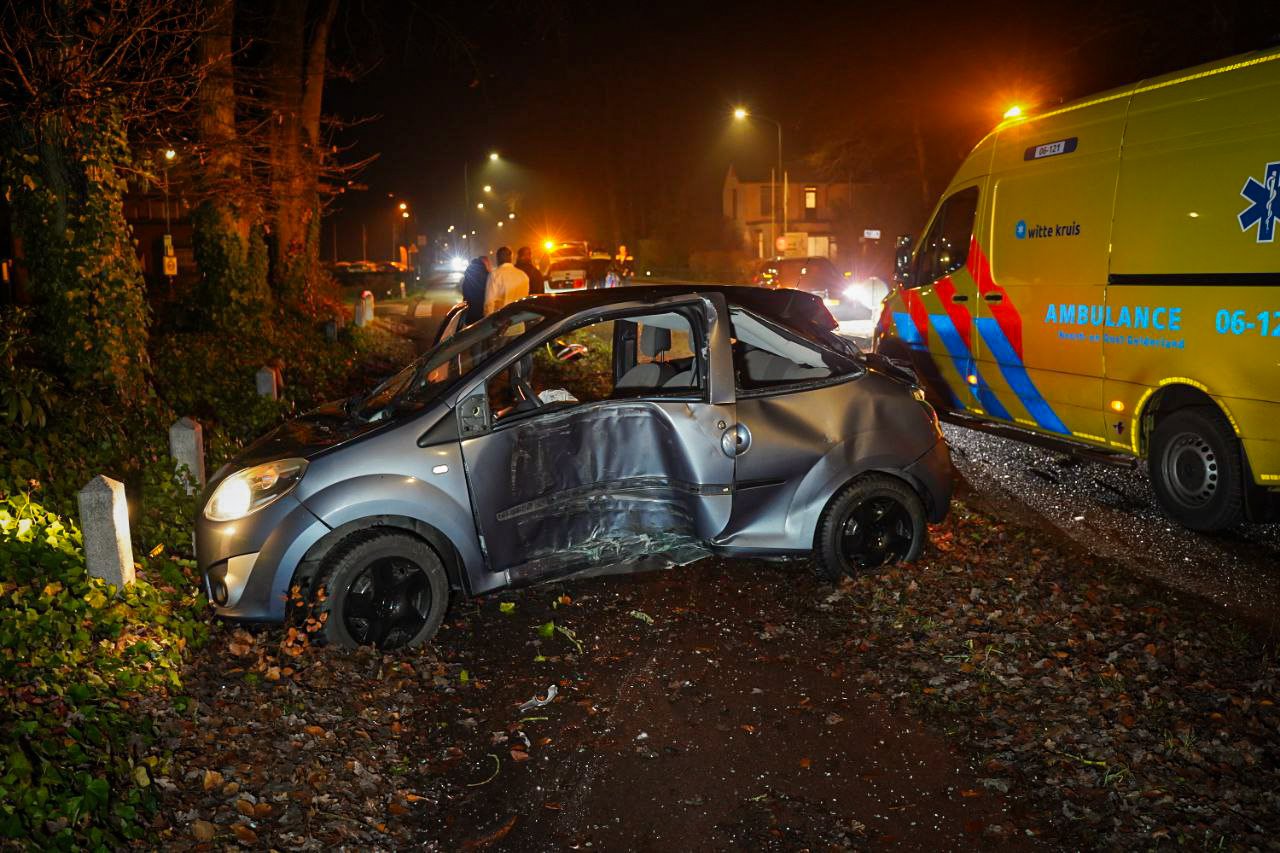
613,119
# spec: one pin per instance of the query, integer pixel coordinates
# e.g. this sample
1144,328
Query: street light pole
741,113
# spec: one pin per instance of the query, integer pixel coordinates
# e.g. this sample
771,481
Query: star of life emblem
1264,206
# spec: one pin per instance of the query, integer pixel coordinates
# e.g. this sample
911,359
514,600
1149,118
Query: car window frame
696,304
741,393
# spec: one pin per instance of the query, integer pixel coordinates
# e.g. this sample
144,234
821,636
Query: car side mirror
902,260
473,414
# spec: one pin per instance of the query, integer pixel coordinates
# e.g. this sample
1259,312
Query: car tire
385,588
1196,469
877,520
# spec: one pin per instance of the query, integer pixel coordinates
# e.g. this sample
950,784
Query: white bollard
357,316
104,523
266,383
186,446
367,314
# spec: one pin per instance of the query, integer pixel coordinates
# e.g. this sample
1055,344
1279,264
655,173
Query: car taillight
579,282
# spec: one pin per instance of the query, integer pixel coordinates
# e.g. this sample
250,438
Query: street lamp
511,215
742,114
480,205
493,156
488,188
169,154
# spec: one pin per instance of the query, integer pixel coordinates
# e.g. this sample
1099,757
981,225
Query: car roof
783,304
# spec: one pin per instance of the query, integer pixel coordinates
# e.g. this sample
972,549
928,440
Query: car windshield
448,361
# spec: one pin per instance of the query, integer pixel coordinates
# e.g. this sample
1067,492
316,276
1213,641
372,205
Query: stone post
186,446
104,523
266,383
357,316
367,314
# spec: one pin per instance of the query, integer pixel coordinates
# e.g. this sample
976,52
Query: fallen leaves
1086,686
245,834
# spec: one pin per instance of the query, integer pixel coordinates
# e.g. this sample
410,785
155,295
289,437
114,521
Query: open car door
623,450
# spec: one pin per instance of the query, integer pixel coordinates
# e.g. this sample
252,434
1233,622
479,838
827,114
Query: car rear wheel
877,521
1196,469
386,589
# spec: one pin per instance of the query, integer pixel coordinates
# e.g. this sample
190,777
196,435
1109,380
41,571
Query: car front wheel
878,520
386,589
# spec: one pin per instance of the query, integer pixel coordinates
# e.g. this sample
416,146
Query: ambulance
1104,276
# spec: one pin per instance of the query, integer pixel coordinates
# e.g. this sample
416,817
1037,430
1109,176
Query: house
852,223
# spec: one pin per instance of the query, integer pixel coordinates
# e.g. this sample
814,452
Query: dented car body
595,432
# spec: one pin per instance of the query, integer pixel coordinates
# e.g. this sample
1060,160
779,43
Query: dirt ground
1006,691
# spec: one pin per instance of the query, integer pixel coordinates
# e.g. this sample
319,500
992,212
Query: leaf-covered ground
1005,692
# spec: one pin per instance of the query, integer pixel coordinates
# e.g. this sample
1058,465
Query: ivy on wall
65,184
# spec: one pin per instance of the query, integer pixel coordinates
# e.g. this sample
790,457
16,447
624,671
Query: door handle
993,297
736,440
959,297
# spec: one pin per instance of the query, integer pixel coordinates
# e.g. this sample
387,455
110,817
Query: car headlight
250,489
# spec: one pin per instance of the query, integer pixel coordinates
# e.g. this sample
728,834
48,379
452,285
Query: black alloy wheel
876,532
878,520
387,603
384,588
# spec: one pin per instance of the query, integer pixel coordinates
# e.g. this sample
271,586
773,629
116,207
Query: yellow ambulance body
1107,274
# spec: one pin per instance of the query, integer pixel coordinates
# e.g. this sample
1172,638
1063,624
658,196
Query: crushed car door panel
599,461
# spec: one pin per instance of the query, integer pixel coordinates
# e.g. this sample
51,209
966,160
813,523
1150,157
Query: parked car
566,275
816,275
578,434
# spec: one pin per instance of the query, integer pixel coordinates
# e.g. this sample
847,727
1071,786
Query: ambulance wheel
1196,469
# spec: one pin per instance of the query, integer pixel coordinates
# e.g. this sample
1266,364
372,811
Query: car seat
654,343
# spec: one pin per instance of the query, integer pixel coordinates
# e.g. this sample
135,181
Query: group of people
486,288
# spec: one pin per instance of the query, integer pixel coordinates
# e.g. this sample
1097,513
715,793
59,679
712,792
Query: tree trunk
925,199
228,249
297,75
314,153
288,272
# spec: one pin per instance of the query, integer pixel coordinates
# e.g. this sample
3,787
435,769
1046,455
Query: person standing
506,283
474,282
524,263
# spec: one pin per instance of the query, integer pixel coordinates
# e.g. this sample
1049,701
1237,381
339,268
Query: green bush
78,755
76,761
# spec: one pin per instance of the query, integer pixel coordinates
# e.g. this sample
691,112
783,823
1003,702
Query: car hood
306,435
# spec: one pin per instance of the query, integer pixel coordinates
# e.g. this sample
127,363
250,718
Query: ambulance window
946,247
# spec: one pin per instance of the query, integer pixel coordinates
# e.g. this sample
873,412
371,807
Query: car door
941,301
792,409
592,462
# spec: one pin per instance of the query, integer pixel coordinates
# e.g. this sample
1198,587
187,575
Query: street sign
170,265
871,234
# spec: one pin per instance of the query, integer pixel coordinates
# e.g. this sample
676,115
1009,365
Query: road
1111,512
1106,511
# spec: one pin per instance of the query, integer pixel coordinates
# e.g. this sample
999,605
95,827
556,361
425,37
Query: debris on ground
1004,692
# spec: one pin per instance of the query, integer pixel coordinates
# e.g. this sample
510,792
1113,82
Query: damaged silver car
600,431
